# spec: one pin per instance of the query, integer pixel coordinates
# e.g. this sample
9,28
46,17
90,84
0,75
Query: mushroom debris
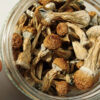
56,46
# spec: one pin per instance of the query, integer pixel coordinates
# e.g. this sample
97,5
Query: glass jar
9,64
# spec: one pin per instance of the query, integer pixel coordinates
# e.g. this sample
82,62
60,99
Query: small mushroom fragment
43,52
61,88
44,2
30,13
20,23
63,53
68,78
62,8
88,74
24,57
48,30
50,6
93,33
80,52
81,18
34,43
79,32
79,64
48,57
39,70
30,80
62,29
16,41
16,53
94,18
58,65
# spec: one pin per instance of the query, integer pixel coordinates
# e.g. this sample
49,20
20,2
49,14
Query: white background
7,90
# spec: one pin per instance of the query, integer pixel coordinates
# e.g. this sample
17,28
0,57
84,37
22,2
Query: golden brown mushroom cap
83,80
16,41
52,41
61,88
62,29
62,63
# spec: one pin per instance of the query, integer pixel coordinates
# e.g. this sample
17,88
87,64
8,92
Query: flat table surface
7,90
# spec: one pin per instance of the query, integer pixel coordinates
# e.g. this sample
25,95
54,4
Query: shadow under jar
9,63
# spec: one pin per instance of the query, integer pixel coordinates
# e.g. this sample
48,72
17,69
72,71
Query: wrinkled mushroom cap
61,63
62,29
83,80
61,87
52,41
16,41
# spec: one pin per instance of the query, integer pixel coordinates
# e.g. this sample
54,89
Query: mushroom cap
61,87
29,29
61,63
83,80
16,41
62,29
44,2
52,41
93,32
92,13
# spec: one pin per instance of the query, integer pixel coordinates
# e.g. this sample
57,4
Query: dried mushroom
52,41
88,74
62,29
55,46
16,41
58,65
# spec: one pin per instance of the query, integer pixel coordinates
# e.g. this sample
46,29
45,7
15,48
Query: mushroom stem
43,52
24,57
81,18
48,79
80,52
79,32
37,37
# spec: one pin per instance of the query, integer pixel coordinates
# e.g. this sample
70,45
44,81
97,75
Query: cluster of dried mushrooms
56,46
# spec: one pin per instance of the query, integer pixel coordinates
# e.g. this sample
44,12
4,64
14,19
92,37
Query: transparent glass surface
9,64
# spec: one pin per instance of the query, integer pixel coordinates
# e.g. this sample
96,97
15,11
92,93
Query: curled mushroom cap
62,29
61,87
16,41
52,41
61,63
93,32
83,80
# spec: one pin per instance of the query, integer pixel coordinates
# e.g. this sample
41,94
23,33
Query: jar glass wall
9,64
